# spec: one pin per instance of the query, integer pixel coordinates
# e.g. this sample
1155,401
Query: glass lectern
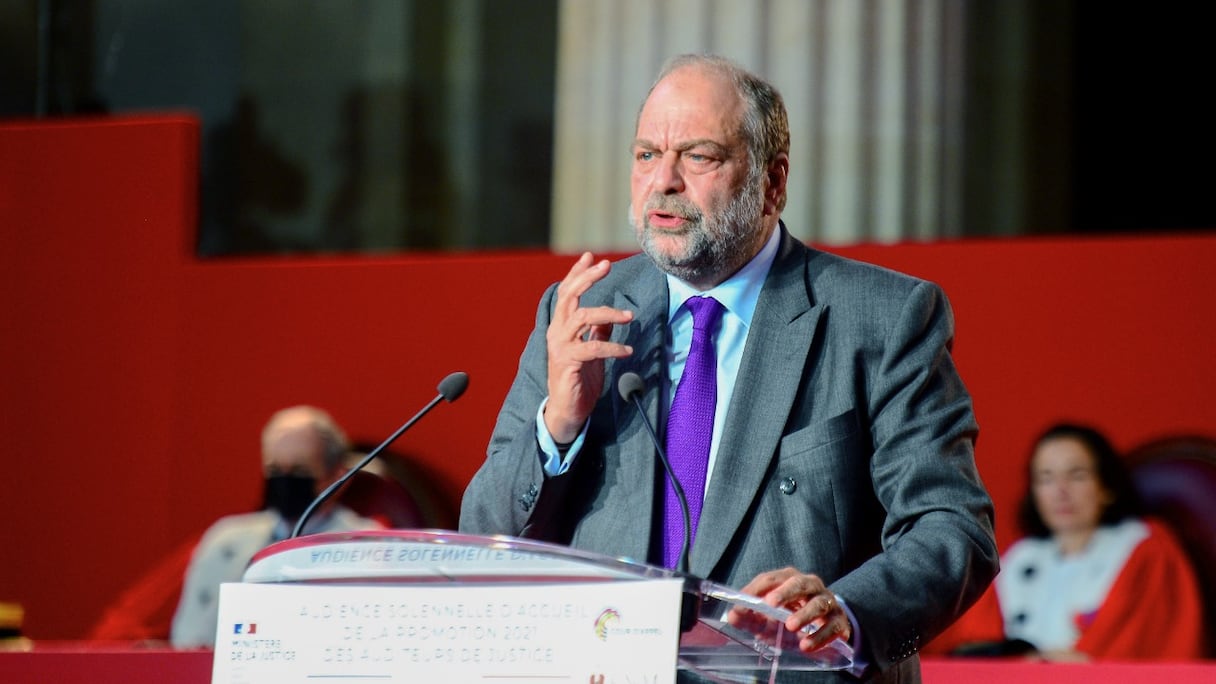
709,645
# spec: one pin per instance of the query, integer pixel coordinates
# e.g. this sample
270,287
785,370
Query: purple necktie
690,427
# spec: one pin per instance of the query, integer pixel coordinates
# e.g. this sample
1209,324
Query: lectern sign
576,632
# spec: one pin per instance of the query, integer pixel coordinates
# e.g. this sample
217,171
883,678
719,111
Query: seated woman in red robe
1076,586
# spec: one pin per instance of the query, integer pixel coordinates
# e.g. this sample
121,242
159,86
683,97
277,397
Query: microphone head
630,384
454,385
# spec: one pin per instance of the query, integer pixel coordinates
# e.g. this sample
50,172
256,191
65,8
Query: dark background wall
382,125
1145,138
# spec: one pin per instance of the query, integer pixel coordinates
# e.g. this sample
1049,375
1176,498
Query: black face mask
289,494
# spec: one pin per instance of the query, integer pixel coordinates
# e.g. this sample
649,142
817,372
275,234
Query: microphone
631,387
450,389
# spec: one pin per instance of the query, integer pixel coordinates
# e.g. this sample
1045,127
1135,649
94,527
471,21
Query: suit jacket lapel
636,450
774,360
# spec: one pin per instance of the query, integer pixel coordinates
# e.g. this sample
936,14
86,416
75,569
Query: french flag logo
245,628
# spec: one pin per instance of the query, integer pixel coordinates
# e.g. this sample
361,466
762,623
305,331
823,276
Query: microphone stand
450,389
630,387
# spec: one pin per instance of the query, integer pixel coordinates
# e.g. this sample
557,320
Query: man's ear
776,177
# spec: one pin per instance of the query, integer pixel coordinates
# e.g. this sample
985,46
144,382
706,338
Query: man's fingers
795,591
767,581
809,609
592,350
602,317
582,275
583,326
573,322
832,628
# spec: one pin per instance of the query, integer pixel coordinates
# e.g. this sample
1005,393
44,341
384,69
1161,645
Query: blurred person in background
303,452
1076,586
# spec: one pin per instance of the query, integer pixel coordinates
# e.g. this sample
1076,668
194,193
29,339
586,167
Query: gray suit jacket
847,451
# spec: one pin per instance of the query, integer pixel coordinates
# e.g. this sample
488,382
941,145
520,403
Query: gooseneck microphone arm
630,387
450,389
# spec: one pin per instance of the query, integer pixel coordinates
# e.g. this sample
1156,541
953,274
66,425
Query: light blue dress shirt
738,294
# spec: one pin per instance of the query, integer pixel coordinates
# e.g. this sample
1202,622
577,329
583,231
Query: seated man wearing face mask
302,453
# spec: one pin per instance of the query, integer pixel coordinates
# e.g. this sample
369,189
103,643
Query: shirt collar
738,293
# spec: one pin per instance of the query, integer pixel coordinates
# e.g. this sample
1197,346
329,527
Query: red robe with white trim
1153,611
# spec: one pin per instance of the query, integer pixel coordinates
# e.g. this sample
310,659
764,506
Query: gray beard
716,245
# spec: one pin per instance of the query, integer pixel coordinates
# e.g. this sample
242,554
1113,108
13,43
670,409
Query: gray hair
337,446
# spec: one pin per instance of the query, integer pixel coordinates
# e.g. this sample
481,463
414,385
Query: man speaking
809,405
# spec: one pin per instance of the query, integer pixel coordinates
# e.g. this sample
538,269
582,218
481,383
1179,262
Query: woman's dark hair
1112,473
